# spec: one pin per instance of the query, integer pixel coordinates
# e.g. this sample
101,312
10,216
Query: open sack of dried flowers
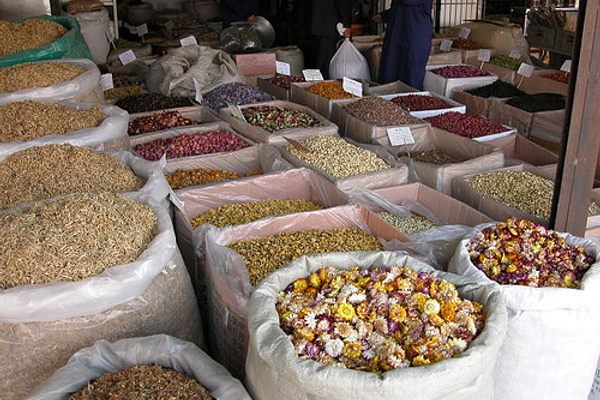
30,123
56,80
373,326
142,367
550,282
83,267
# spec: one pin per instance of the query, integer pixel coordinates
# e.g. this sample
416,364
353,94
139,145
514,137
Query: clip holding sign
525,71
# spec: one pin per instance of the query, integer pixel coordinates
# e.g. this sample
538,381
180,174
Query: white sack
348,62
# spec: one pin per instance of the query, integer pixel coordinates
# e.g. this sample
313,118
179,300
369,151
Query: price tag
352,86
400,136
283,68
312,75
198,90
127,57
446,45
236,111
516,54
106,82
142,30
525,70
464,33
484,55
188,41
566,67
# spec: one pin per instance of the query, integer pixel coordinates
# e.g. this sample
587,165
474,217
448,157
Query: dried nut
158,122
266,255
274,119
459,72
147,102
415,102
337,157
330,90
285,81
435,156
29,34
33,75
73,237
467,125
409,225
243,213
39,173
143,382
119,93
29,120
185,178
380,112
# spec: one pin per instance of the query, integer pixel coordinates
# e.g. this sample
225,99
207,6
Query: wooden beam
580,149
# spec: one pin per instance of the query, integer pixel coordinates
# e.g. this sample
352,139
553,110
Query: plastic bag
83,87
348,62
156,187
552,342
103,357
70,45
228,281
249,40
110,134
230,40
272,358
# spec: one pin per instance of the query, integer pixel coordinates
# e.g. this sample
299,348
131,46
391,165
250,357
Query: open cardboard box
446,86
301,95
439,56
503,73
537,84
519,150
549,122
262,136
276,91
200,114
548,125
453,106
388,88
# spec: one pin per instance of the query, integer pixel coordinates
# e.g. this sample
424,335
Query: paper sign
464,33
236,111
142,30
566,67
525,70
446,45
175,200
400,136
283,68
352,86
516,54
188,41
484,55
106,82
198,90
127,56
312,75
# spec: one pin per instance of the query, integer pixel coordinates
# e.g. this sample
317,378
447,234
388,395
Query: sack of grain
52,304
103,357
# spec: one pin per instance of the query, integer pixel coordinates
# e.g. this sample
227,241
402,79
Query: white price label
236,111
352,86
106,82
198,89
400,136
142,30
312,75
110,35
566,67
188,41
446,45
127,57
484,55
283,68
516,54
525,70
464,33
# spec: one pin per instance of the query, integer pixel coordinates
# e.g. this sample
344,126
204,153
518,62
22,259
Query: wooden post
581,139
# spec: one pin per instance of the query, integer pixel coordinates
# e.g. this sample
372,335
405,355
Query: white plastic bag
156,186
103,357
552,343
82,88
110,134
348,62
273,371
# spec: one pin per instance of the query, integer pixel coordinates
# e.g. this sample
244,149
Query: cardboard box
454,106
503,73
475,104
388,88
322,105
262,136
523,121
519,150
548,125
444,57
276,91
445,87
538,84
202,114
256,63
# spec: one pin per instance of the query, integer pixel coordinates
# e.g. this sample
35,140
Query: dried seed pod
285,81
185,178
158,122
33,75
467,125
29,34
434,156
409,225
274,119
380,112
119,93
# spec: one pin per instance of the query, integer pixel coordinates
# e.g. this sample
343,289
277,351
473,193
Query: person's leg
327,49
389,68
413,67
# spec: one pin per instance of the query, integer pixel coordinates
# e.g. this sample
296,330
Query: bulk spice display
159,122
409,225
498,89
185,178
380,112
467,125
273,119
263,256
377,320
459,71
243,213
434,156
39,173
337,157
191,144
285,81
502,60
75,237
538,102
29,34
465,44
414,102
143,382
147,102
32,75
557,76
29,120
522,190
235,93
519,252
330,90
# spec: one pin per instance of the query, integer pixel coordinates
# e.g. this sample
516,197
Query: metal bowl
263,27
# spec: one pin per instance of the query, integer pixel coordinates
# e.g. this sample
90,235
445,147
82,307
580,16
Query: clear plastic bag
103,357
350,63
272,358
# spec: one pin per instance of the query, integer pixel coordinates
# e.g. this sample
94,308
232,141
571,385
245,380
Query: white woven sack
348,62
